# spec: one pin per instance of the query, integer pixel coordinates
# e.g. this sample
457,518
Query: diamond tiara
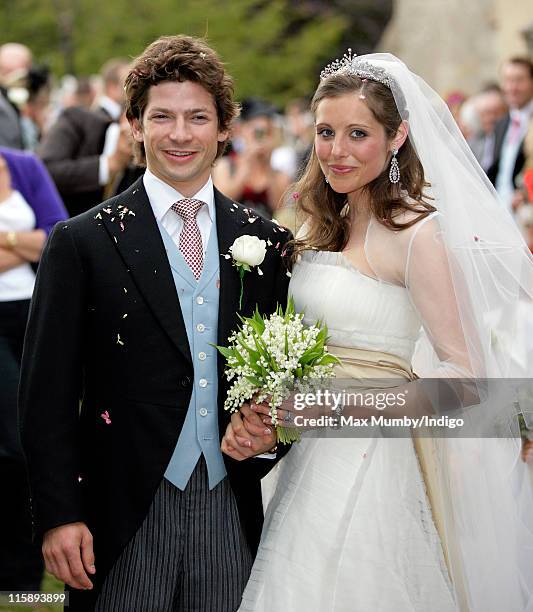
352,64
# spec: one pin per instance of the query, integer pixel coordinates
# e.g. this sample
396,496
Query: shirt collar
113,108
522,113
162,195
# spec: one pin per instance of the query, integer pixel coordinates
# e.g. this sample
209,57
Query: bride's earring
394,172
326,179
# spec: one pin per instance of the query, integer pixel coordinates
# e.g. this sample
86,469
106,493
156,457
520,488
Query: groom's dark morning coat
106,326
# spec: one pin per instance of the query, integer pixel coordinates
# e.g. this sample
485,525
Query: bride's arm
449,348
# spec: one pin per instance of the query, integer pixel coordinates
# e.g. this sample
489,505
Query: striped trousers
189,555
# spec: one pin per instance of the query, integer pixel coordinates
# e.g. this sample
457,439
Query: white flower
248,250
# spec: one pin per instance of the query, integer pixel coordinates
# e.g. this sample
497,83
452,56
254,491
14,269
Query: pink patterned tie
190,238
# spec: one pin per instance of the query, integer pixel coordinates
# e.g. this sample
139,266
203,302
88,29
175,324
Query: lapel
138,240
230,225
499,135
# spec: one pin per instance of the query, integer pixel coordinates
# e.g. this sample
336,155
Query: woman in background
29,207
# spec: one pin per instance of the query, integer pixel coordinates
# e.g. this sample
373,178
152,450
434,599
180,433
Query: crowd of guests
64,147
498,124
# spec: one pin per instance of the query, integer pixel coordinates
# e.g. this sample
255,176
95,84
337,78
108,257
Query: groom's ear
401,135
136,129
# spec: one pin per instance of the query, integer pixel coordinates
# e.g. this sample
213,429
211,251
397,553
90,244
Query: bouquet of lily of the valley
267,357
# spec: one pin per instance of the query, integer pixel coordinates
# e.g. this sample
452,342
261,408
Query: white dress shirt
162,196
16,215
114,110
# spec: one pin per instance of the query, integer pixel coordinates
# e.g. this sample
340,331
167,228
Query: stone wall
456,44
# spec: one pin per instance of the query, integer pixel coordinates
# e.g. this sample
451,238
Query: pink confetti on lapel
105,416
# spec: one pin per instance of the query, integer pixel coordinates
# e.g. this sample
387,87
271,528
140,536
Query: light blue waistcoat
199,305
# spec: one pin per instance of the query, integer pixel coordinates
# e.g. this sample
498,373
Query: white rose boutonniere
247,252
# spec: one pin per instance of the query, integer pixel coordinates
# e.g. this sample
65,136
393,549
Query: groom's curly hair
179,58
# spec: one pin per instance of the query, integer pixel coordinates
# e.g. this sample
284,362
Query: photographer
246,174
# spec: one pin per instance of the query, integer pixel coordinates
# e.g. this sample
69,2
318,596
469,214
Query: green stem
288,435
241,274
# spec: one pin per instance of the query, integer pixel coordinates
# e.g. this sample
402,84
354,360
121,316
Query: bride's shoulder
408,222
414,213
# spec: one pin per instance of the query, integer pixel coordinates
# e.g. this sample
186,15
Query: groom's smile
180,133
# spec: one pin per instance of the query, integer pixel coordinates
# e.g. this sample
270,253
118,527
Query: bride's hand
239,443
527,451
286,412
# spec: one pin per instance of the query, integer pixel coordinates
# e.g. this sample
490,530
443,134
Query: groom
134,502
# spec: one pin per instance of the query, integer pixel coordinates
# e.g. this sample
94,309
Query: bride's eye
325,132
357,134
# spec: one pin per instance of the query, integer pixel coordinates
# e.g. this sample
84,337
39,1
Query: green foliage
244,353
272,48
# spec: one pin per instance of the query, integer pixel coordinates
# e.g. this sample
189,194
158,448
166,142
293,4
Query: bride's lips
341,169
179,156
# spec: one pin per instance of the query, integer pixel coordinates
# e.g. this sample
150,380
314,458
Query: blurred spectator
85,94
524,212
517,86
15,62
29,207
84,150
489,106
301,131
455,101
246,174
34,113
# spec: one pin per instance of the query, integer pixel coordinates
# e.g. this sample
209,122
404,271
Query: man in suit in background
85,149
130,298
489,105
509,133
15,62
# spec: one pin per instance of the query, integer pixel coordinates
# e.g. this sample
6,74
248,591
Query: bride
414,266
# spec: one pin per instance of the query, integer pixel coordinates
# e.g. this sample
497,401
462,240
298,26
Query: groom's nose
180,130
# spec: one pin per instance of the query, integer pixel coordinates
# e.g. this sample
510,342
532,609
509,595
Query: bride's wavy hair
328,229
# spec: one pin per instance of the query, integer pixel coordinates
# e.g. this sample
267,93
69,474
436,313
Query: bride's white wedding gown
348,525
